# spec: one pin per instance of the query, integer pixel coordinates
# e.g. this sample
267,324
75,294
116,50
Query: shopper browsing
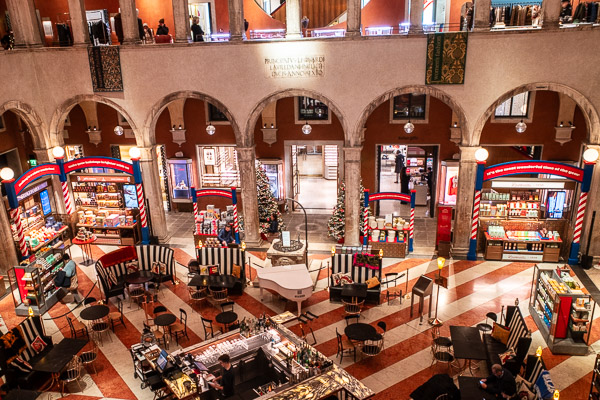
63,277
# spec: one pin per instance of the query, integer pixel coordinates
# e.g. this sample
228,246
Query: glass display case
274,170
180,179
449,183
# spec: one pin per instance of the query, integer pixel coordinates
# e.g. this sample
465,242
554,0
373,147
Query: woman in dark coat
197,31
399,164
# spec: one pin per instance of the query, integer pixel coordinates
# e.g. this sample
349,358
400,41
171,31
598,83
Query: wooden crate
392,250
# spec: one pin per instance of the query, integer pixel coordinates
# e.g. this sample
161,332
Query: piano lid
287,276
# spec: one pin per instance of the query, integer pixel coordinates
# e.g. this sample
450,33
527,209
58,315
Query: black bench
343,263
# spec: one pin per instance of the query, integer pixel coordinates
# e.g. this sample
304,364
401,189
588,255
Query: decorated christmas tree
337,222
267,205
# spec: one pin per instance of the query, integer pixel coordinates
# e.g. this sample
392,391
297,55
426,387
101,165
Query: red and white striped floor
474,289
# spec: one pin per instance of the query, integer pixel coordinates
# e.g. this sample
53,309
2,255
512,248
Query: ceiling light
119,130
409,127
520,127
210,129
306,129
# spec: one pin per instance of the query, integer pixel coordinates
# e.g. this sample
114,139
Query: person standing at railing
162,28
566,11
197,31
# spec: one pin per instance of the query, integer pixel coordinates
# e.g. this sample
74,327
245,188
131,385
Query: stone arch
418,89
160,106
65,108
248,140
591,115
31,118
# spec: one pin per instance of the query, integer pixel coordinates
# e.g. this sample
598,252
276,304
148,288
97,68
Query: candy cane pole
137,177
15,213
236,225
411,226
588,170
366,219
62,177
472,254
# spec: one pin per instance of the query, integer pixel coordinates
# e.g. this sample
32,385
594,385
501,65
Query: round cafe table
94,312
138,277
226,318
165,320
360,332
86,249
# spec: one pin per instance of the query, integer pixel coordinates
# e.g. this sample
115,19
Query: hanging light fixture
210,129
306,129
119,130
521,127
409,127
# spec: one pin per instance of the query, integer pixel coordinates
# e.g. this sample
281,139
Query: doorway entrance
314,172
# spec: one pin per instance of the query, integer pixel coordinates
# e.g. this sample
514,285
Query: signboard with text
34,174
533,167
98,162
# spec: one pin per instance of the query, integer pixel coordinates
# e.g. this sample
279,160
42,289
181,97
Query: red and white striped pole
411,225
7,175
15,214
580,214
236,222
475,220
141,204
366,219
67,197
480,155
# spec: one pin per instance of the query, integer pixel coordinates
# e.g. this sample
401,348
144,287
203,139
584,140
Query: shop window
515,107
307,109
410,106
216,115
218,166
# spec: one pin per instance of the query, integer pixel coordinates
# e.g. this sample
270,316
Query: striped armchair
343,263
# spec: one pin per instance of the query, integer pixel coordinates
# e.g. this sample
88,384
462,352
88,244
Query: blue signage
45,199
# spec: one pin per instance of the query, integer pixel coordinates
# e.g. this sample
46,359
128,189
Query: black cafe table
58,357
467,344
165,320
226,318
360,332
95,312
139,277
216,281
21,394
470,390
355,291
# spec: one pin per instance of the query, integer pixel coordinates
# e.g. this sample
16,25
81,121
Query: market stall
208,222
562,309
520,218
392,233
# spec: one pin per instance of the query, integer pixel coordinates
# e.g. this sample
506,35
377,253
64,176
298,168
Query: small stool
485,327
306,319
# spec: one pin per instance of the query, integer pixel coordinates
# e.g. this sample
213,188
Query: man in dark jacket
226,236
162,28
501,382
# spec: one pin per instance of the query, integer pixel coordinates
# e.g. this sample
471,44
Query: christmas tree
337,222
267,205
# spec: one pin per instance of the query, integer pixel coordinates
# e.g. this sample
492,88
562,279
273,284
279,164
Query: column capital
352,154
147,153
43,155
467,153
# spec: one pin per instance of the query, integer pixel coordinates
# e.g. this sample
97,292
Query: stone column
464,200
293,9
182,21
551,14
8,252
236,20
352,206
481,13
24,23
593,204
246,161
353,18
416,16
79,25
153,193
131,33
45,156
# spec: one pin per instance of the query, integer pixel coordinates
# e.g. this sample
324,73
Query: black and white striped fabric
518,329
117,269
149,254
342,263
31,329
535,366
225,257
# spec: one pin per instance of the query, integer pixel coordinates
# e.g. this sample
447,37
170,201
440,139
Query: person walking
399,165
197,31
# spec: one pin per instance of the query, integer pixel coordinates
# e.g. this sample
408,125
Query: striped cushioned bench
343,263
534,367
30,329
225,258
146,256
519,339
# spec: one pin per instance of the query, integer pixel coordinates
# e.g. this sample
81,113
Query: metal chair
218,296
438,342
349,319
89,300
486,327
117,315
98,327
154,285
393,291
197,295
351,308
180,328
89,357
71,373
227,306
372,347
344,346
159,310
135,295
207,325
158,334
193,269
76,327
383,327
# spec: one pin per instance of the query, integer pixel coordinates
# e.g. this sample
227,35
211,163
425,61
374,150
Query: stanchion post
472,254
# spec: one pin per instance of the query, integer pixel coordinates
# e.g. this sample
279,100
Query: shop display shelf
57,234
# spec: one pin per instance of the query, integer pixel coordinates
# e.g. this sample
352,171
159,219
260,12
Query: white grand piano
291,281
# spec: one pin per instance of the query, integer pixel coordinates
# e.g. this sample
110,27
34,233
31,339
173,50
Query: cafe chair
197,295
218,296
392,292
77,327
159,335
439,343
99,327
487,327
179,329
227,306
70,374
136,294
351,308
147,305
209,331
89,357
344,346
383,326
154,285
443,357
117,316
372,347
89,301
193,269
159,310
351,319
306,320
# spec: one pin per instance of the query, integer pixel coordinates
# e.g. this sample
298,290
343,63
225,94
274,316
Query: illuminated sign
34,174
98,162
103,178
32,191
534,167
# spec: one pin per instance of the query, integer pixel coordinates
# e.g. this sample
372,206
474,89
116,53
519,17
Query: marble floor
474,289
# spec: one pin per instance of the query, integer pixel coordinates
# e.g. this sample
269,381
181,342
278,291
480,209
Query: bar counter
272,364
